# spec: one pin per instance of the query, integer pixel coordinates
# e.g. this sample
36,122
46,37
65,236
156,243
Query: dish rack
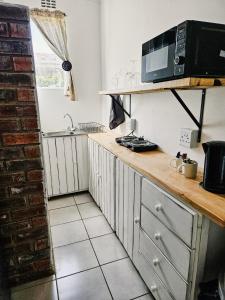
91,127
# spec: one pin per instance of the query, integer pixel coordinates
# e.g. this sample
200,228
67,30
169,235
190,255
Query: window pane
48,65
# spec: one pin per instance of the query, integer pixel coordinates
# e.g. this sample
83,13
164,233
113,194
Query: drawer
152,281
162,267
169,244
178,218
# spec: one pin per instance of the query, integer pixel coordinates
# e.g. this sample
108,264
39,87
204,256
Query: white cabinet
102,179
125,198
66,164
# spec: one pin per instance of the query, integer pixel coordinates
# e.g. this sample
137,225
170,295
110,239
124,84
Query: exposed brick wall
23,221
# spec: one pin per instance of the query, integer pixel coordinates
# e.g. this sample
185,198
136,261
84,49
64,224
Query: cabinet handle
137,220
157,236
155,262
158,207
153,288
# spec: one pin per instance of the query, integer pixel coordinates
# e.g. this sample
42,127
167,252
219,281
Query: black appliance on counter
136,144
191,49
214,169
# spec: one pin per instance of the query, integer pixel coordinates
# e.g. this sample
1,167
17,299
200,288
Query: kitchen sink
63,133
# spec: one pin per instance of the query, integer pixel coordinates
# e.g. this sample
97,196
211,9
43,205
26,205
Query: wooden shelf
181,84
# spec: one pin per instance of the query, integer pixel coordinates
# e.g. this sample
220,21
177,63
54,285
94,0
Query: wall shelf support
199,123
121,106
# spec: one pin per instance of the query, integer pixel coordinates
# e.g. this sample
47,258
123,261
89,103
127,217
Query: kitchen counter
63,133
155,165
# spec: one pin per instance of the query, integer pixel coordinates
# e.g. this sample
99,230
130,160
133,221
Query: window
48,67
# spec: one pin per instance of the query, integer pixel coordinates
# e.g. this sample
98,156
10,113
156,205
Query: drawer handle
155,262
153,288
158,207
137,220
157,236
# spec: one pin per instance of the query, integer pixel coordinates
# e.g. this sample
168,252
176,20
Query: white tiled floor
90,262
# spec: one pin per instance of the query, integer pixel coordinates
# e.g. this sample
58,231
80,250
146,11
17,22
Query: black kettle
214,169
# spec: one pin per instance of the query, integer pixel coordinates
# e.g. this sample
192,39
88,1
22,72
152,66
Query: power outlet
188,137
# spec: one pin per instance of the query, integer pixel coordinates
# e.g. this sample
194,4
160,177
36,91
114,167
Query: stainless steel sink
63,133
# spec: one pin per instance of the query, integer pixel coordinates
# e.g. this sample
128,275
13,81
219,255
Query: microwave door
158,65
209,52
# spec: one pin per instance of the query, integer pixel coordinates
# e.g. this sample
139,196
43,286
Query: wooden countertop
155,165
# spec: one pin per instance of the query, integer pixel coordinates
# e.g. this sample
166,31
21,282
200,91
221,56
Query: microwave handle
222,179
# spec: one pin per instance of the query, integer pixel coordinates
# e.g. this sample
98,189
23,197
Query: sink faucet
71,120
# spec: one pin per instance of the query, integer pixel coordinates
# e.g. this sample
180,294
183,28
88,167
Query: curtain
53,27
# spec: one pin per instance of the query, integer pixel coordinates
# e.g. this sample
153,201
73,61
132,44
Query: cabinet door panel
125,205
61,162
82,161
74,159
54,166
47,167
91,167
70,165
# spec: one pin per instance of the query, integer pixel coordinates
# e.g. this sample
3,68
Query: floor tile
97,226
74,258
68,233
61,202
33,283
88,285
83,198
64,215
108,248
89,210
46,291
145,297
123,280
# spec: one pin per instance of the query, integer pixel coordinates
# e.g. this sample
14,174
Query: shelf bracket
199,123
121,106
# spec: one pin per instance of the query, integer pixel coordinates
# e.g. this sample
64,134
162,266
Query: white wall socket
189,137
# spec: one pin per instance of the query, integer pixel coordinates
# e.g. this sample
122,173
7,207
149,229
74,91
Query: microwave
191,49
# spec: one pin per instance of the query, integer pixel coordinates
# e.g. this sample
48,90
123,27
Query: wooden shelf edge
182,84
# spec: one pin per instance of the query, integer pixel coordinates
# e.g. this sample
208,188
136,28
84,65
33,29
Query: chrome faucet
71,120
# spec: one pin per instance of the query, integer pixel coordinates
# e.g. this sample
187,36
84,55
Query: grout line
94,217
98,261
115,261
141,296
101,270
71,243
65,223
61,207
72,274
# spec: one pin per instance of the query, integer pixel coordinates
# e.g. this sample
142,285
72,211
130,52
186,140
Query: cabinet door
82,161
47,167
107,188
71,164
53,159
125,196
61,165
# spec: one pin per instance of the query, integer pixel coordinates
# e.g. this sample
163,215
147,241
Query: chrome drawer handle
157,236
153,288
158,207
137,220
155,262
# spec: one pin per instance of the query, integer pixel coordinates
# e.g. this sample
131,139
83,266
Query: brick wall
23,221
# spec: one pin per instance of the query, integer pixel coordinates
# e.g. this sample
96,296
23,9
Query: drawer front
152,281
162,267
170,245
178,218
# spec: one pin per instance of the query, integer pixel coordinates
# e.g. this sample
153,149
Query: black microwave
191,49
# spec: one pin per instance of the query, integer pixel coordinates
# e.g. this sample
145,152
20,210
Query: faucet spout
71,120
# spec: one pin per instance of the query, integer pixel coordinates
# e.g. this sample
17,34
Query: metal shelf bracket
125,111
199,123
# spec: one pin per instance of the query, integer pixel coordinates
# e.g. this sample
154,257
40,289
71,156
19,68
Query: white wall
125,25
83,30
